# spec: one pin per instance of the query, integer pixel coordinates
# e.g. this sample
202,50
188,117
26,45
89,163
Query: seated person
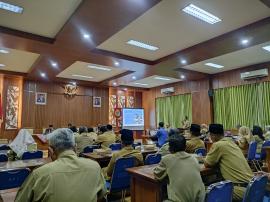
186,123
245,138
183,171
92,134
195,142
74,130
204,129
164,150
267,132
83,139
20,144
106,137
126,151
67,178
257,133
161,135
225,154
49,130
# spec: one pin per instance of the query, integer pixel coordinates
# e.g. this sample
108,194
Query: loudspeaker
210,93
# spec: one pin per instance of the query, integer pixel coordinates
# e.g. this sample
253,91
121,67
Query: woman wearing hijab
245,138
259,138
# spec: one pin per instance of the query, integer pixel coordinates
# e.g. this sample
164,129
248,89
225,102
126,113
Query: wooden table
267,150
104,160
33,163
144,186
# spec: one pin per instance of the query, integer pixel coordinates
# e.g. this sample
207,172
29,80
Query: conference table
31,164
104,159
144,186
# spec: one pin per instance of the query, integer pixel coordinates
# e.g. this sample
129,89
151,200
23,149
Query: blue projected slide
133,119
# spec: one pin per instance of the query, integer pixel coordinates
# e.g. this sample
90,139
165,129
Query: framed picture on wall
96,101
41,98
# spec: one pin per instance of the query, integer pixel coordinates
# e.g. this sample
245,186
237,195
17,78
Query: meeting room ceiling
44,18
68,35
170,29
16,60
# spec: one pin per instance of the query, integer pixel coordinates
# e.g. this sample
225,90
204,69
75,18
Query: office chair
13,178
32,155
200,151
115,146
220,191
152,159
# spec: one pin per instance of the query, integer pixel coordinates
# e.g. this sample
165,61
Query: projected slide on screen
133,119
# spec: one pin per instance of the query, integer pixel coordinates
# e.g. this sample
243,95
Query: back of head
161,124
90,130
177,143
73,129
216,129
109,127
83,129
127,137
61,139
257,130
69,125
103,129
50,126
244,131
195,130
174,131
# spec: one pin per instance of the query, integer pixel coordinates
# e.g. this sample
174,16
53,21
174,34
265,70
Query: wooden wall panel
201,104
61,109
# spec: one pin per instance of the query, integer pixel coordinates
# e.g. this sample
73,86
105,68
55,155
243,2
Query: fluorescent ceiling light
116,63
245,41
10,7
266,48
162,78
43,74
99,68
201,14
214,65
133,77
82,76
141,84
114,83
2,65
3,51
142,45
183,62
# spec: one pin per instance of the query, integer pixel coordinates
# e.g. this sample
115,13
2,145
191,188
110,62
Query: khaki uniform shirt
93,135
232,164
164,150
185,182
106,139
127,151
69,178
82,141
193,144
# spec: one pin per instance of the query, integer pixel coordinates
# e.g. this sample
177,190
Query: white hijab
19,144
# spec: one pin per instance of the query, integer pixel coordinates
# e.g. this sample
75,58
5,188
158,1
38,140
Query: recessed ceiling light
4,51
2,65
133,77
201,14
10,7
182,76
244,41
73,83
86,36
266,48
116,63
183,62
54,64
125,89
142,45
82,76
99,68
162,78
42,74
141,84
214,65
114,83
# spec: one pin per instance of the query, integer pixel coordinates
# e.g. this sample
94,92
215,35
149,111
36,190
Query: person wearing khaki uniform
126,151
245,138
230,159
83,139
195,142
183,170
67,178
106,138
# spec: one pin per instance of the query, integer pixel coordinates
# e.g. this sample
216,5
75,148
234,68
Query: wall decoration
12,107
112,106
71,89
96,101
41,98
130,102
121,101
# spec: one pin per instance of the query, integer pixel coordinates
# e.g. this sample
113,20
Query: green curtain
173,109
245,105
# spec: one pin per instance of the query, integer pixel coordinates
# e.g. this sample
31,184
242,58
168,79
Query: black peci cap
195,128
127,136
216,128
